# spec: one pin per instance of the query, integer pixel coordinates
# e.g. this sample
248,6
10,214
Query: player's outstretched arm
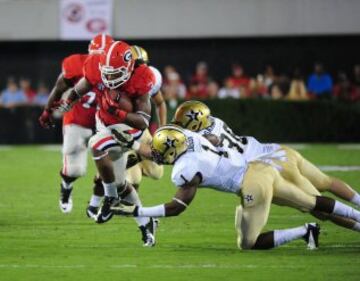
179,203
161,108
139,119
213,139
61,85
81,88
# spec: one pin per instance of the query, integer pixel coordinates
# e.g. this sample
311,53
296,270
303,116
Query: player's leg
152,170
257,189
134,175
293,196
96,198
74,161
324,182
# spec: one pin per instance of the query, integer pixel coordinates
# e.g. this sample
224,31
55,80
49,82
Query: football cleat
148,233
105,214
65,202
91,212
312,235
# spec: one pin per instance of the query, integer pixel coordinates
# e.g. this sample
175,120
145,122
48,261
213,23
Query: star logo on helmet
169,143
192,115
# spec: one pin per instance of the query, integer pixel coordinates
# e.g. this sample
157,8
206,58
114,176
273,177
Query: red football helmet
116,64
98,44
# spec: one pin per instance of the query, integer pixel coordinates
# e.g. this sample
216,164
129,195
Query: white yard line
6,147
350,146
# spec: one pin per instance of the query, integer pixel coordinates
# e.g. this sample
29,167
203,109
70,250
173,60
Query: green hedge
285,121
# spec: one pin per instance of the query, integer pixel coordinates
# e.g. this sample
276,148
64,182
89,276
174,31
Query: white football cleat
65,202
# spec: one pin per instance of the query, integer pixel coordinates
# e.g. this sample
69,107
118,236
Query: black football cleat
105,214
65,202
312,235
148,233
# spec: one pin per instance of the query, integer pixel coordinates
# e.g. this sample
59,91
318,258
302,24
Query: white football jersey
249,147
158,81
220,170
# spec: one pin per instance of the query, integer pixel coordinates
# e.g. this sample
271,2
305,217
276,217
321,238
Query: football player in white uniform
256,182
196,116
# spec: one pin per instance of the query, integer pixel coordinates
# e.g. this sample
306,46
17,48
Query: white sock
286,235
110,189
133,198
66,185
343,210
356,227
95,201
356,199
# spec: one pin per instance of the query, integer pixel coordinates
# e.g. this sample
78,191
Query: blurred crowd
318,85
21,93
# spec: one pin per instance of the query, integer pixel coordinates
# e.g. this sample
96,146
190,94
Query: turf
38,242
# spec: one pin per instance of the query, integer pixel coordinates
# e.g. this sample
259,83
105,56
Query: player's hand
65,105
45,119
123,138
124,208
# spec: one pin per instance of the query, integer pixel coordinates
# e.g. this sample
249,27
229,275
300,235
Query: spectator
320,83
25,86
212,89
257,87
344,90
229,91
297,90
269,76
356,80
239,79
12,96
280,88
41,95
201,79
173,89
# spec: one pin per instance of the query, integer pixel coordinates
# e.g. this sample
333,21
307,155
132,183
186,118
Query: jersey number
90,99
233,140
219,153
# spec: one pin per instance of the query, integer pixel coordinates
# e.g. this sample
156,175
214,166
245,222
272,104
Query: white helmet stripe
102,47
108,55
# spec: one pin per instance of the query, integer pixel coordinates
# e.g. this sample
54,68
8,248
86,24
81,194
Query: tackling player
78,123
113,74
196,116
257,182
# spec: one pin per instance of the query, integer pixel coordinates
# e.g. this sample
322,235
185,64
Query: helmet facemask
114,77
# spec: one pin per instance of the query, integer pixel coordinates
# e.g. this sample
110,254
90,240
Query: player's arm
213,139
81,88
140,118
175,207
160,108
61,85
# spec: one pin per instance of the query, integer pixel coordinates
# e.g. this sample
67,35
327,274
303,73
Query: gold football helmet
192,115
139,54
168,144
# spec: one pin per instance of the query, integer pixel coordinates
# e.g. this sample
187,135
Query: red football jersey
83,112
140,83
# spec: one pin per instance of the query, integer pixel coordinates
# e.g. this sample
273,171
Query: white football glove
64,106
125,139
124,208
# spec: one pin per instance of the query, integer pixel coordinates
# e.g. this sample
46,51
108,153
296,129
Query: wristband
136,146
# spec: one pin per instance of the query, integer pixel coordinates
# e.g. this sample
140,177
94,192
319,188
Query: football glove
46,121
123,138
124,208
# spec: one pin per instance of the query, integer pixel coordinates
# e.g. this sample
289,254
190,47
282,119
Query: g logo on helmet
127,56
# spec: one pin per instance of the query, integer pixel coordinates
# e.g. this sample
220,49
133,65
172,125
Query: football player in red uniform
78,123
114,75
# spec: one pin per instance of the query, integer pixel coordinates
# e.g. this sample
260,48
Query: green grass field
38,242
